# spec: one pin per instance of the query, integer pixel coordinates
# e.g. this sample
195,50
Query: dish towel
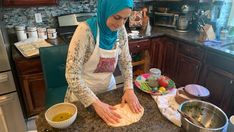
168,107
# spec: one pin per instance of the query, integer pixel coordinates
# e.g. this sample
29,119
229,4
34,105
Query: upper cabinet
27,3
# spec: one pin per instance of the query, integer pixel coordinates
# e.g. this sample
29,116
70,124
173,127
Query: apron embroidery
105,65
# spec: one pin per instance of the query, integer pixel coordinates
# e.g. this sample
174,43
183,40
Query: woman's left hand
130,98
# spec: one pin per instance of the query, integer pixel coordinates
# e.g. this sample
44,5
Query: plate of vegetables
155,86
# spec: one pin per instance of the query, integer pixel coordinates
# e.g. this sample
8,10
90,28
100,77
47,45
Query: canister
32,32
20,32
52,34
42,33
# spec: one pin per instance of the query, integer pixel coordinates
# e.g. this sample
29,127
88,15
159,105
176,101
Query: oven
11,115
165,19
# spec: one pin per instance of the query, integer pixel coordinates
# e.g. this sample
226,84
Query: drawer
221,61
30,66
196,52
139,46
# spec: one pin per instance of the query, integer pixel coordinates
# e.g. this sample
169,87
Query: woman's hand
130,97
106,112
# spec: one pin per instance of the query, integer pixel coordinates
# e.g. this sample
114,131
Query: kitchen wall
25,16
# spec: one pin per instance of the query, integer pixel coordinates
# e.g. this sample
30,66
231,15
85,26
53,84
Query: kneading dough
127,116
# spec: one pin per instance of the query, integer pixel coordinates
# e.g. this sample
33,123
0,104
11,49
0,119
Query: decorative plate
142,84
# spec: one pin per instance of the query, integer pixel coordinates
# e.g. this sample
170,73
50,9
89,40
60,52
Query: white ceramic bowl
61,108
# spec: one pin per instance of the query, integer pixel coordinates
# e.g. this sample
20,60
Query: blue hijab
105,9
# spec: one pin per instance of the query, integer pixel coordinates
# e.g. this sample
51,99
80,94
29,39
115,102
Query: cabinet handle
231,81
138,46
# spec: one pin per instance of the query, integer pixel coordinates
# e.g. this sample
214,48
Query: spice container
21,33
42,33
32,32
52,34
155,72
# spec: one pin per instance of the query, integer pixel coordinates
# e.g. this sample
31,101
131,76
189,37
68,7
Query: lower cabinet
169,57
34,92
187,70
187,63
221,86
163,56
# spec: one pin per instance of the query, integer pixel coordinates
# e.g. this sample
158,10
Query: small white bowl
61,108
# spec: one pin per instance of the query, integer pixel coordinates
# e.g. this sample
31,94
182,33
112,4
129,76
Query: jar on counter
21,33
223,34
32,32
42,33
52,34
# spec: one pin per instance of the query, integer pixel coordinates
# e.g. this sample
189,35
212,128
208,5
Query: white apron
97,81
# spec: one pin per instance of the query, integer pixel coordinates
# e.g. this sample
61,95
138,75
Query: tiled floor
31,126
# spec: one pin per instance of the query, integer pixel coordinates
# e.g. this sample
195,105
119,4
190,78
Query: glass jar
155,72
52,34
223,34
21,33
32,32
42,33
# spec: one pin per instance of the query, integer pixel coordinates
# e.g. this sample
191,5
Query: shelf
141,62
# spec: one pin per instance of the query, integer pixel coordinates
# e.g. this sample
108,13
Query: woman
95,47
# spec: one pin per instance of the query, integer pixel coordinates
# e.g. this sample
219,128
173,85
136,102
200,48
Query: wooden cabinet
34,92
163,52
139,50
187,70
188,64
219,79
30,78
155,52
25,3
168,57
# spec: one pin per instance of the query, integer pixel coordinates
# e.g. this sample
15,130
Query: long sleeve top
80,49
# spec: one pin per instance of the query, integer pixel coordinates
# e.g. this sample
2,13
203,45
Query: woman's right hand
106,112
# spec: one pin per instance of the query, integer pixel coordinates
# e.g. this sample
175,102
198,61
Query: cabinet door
24,3
219,83
155,51
168,56
227,103
187,70
33,88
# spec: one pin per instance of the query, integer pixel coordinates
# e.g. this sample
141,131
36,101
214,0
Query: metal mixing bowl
212,117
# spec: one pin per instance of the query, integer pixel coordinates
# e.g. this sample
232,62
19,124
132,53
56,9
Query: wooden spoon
191,119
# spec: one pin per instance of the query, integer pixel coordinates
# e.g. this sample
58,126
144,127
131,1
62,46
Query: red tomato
163,81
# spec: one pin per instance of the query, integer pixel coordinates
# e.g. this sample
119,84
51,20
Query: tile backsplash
26,16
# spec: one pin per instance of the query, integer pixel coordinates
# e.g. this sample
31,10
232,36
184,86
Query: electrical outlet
38,17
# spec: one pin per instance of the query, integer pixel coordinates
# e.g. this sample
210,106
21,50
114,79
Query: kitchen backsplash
25,16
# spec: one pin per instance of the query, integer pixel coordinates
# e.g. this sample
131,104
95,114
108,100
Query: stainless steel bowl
212,117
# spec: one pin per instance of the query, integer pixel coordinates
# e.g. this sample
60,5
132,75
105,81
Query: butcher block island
88,121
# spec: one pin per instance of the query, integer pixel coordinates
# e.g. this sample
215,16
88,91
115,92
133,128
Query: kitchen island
88,121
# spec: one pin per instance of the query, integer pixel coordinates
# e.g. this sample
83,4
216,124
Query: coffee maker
183,20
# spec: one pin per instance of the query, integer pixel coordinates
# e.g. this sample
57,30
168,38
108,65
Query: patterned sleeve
125,60
77,53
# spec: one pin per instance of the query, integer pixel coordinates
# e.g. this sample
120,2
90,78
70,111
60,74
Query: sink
228,46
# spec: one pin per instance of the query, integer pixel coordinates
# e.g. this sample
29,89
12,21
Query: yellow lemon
162,89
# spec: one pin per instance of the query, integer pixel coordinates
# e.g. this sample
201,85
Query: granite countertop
191,37
87,120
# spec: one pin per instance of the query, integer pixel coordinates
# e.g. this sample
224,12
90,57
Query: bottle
20,32
32,32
